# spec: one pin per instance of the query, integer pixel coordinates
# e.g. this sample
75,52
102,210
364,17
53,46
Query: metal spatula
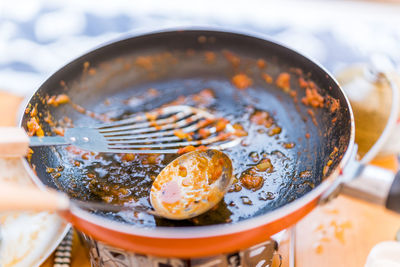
164,130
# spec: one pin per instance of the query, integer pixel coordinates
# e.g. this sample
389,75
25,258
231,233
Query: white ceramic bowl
27,238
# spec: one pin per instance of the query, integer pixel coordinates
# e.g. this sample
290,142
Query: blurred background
39,36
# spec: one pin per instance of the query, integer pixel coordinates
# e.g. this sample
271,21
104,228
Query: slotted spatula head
165,130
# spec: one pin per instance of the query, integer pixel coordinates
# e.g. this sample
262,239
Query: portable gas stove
278,251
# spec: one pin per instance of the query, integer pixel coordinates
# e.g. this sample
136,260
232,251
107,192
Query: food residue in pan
241,81
264,162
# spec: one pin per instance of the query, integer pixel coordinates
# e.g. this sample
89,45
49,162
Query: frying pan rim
218,229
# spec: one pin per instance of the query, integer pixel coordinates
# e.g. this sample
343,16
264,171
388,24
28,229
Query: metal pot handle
393,199
369,183
375,185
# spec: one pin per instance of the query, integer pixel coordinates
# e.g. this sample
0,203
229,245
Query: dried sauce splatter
231,57
34,127
313,98
241,81
267,78
57,100
261,63
283,81
210,57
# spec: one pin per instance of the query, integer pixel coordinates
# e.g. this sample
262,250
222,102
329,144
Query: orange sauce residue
331,211
283,81
151,116
313,98
34,128
204,133
267,78
320,227
144,62
332,103
339,229
49,119
289,145
30,153
80,109
182,171
264,165
232,58
331,231
210,57
302,83
55,101
239,130
186,149
261,63
34,111
262,118
241,81
59,131
182,135
252,181
221,124
274,131
312,115
128,157
318,248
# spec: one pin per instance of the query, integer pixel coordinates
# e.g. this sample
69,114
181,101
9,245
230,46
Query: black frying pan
114,80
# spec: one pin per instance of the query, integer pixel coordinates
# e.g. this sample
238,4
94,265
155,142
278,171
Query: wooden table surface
340,233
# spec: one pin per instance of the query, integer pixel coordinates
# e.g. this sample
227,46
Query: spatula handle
14,142
15,197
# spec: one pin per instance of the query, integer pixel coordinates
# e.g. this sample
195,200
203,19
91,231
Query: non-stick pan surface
114,80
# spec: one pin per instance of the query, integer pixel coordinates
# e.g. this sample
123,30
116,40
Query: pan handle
15,197
376,185
393,199
14,142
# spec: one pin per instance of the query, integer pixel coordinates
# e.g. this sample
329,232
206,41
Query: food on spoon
191,185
